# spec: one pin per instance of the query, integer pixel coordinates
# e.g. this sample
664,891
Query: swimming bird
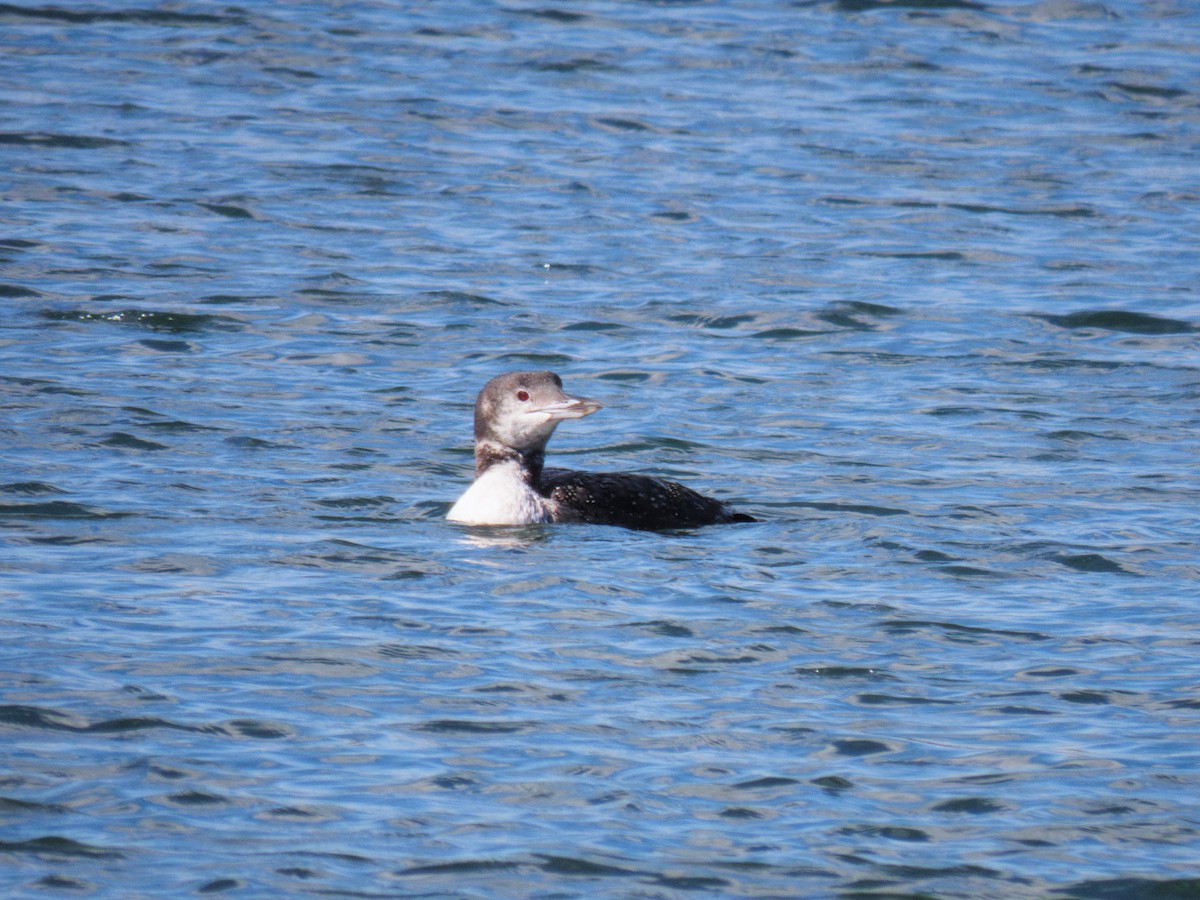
515,415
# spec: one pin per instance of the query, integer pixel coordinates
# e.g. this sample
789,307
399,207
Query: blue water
913,283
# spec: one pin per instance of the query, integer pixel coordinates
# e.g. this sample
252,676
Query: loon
515,414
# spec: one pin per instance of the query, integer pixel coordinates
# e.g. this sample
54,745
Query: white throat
500,496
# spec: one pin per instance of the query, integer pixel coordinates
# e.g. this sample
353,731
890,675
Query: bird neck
529,463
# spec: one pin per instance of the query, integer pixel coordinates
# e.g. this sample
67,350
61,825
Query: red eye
522,396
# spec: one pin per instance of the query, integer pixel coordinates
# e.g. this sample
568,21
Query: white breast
500,497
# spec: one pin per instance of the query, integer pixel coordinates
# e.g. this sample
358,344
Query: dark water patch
530,690
127,197
1058,212
59,848
980,209
136,723
126,441
662,627
64,540
844,672
356,502
854,6
30,488
543,360
674,216
1182,704
53,720
625,377
351,554
620,124
689,883
551,14
853,315
336,296
974,806
786,334
957,632
165,17
55,509
174,426
161,346
717,323
859,747
144,695
959,570
16,805
154,320
1056,362
472,726
574,64
934,556
890,832
856,508
381,519
1075,436
316,665
228,299
461,867
863,308
228,210
973,512
1051,672
1091,562
1153,91
44,141
568,270
1119,320
939,255
569,865
1131,889
908,873
1089,698
248,442
592,326
219,886
767,782
256,729
65,883
739,812
196,798
463,298
950,412
16,291
300,872
288,72
895,700
661,442
1024,711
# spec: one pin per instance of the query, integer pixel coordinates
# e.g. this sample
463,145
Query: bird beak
567,408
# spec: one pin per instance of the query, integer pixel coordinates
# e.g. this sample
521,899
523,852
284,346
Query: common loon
515,414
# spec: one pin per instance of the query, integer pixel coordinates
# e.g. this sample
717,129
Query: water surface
913,283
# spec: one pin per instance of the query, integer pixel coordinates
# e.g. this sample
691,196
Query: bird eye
522,396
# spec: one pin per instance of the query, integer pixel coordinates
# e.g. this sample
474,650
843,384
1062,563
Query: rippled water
914,283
